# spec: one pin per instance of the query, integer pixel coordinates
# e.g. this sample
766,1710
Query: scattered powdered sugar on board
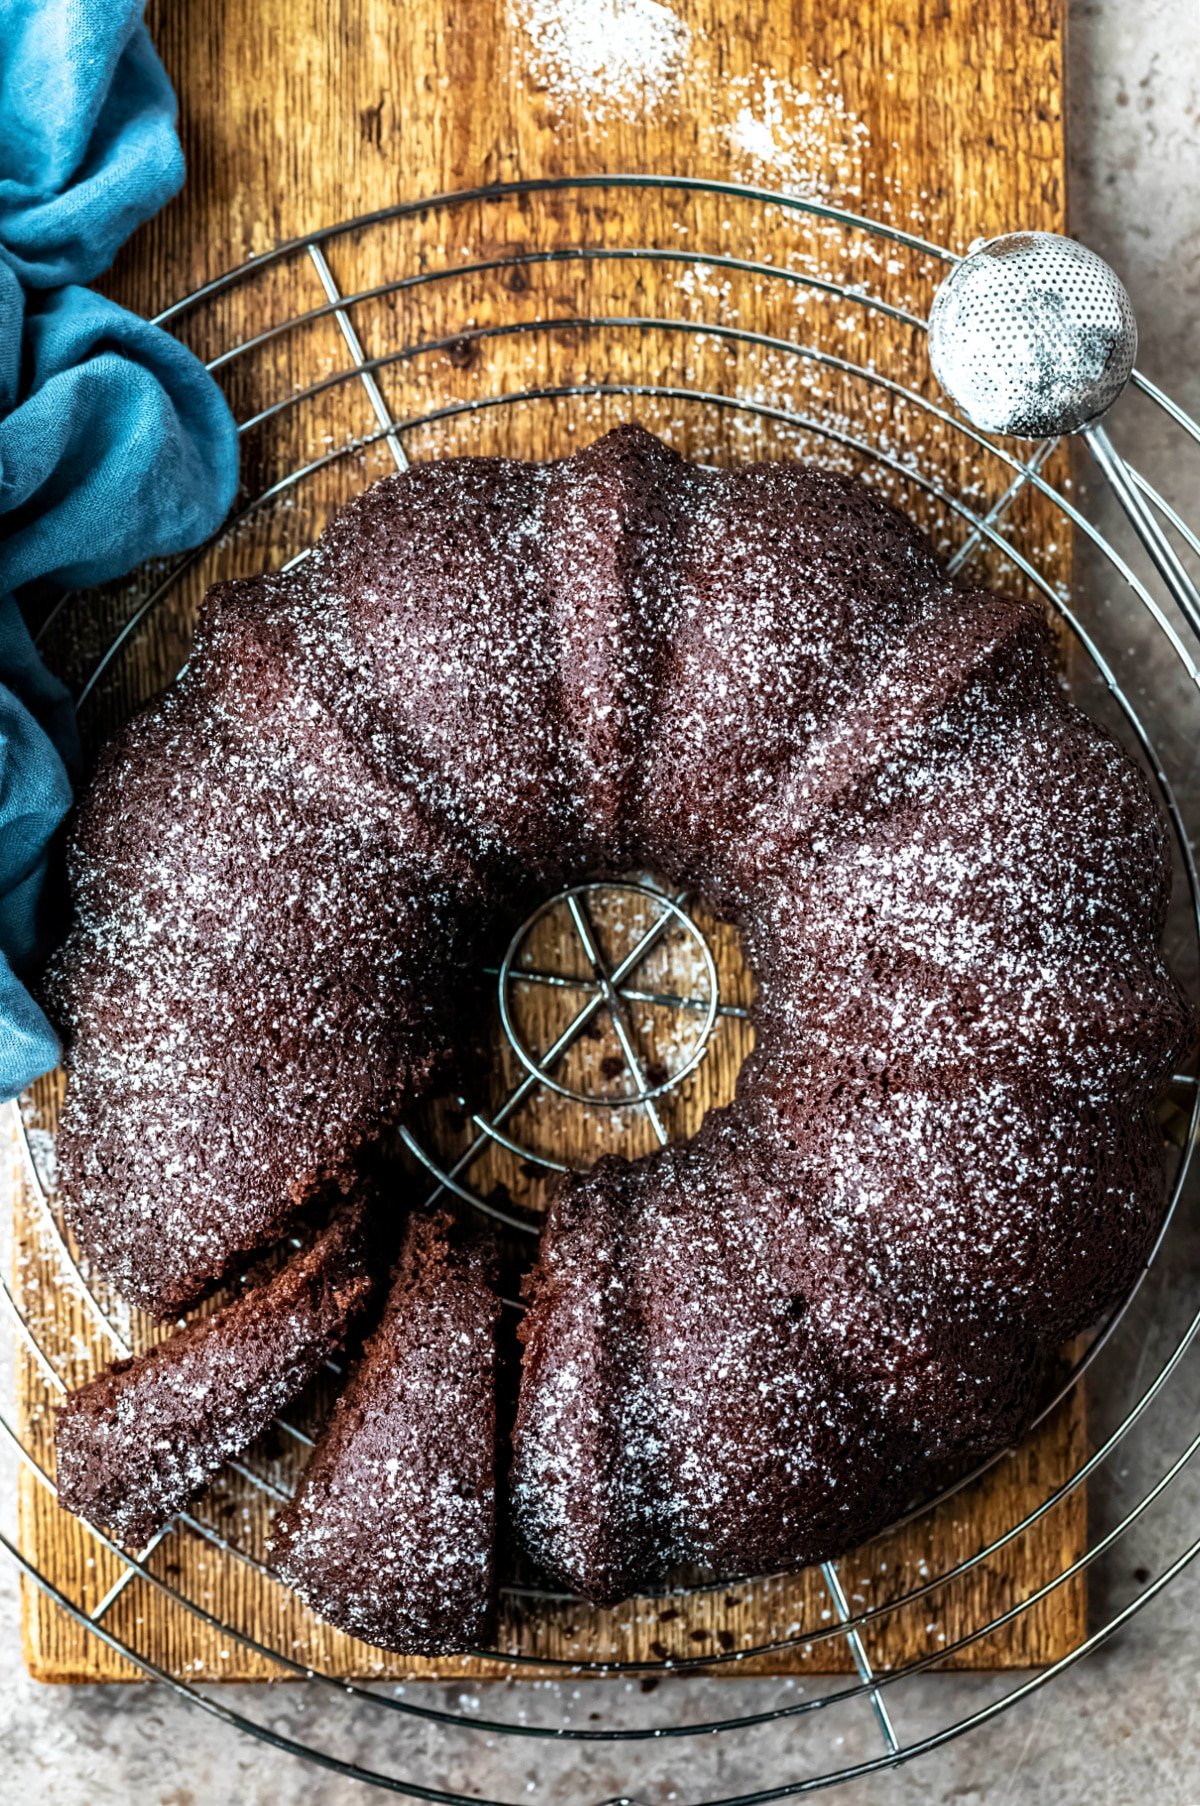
804,141
801,138
597,50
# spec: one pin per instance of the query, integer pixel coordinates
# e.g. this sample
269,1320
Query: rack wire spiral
512,333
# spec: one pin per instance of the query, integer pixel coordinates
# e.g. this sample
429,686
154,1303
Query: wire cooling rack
741,323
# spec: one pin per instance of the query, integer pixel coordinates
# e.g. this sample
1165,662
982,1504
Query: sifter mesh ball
1032,335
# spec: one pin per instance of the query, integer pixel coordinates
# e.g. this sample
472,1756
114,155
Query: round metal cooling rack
609,992
464,343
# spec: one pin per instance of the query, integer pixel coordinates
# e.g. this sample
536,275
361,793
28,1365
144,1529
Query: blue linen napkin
115,443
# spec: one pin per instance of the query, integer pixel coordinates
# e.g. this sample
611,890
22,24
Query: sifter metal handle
1158,547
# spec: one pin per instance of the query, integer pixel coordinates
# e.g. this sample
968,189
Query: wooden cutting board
944,118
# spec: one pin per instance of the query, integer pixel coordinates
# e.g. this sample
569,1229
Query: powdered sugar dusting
140,1441
490,678
392,1533
804,141
605,50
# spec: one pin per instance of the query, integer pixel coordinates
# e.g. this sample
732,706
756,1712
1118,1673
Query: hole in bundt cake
670,990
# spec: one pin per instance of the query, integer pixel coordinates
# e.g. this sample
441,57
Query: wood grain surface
943,118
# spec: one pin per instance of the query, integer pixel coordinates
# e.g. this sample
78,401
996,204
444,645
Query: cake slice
391,1534
141,1440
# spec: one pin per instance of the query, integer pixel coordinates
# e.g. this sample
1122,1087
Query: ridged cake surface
491,678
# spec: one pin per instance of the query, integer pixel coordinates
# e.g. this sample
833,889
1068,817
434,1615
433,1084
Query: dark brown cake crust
492,678
391,1535
140,1441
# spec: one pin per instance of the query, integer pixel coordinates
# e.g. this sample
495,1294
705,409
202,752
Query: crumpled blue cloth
115,443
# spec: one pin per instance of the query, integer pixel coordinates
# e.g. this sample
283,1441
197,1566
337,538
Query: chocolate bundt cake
139,1442
392,1533
492,678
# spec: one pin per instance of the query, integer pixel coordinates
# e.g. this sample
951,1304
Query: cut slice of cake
391,1535
141,1440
